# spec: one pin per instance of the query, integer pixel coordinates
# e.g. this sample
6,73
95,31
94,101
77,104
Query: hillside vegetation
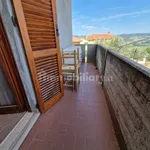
133,46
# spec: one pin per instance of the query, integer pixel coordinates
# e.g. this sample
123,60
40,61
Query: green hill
136,37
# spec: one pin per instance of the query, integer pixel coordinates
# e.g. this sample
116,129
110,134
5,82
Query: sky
115,16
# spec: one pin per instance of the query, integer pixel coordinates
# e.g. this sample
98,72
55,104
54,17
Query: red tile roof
76,39
99,36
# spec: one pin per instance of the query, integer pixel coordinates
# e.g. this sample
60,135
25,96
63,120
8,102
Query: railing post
104,69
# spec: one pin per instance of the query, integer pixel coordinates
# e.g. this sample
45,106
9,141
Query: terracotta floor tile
54,125
79,131
94,144
38,145
80,143
69,142
79,121
65,128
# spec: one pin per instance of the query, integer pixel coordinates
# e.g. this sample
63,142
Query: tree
116,42
147,51
99,41
112,43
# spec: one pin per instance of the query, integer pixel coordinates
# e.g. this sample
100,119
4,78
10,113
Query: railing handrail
127,60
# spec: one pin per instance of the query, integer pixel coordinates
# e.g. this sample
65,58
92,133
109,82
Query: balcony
110,113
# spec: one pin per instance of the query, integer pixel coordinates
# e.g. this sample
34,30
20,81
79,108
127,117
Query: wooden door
37,20
12,95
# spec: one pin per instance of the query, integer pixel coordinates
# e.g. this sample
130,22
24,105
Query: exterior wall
91,42
64,15
75,43
18,51
91,53
83,51
84,41
129,94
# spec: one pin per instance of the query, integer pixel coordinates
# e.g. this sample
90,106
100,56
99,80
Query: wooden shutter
37,20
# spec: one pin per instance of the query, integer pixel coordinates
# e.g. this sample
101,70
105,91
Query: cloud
82,17
88,27
78,16
105,28
118,16
140,23
120,7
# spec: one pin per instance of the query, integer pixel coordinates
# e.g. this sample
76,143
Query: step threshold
18,134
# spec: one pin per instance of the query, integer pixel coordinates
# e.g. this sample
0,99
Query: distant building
93,37
76,40
84,41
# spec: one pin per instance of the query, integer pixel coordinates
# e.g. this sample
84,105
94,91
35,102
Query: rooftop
99,36
76,39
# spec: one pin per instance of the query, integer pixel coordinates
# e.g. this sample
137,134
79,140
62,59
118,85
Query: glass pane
6,95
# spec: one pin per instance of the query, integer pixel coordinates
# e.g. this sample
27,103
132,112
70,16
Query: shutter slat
47,66
45,83
37,13
38,26
36,20
42,44
38,60
40,29
42,2
48,76
45,62
34,48
48,72
50,82
49,87
31,4
36,3
42,40
51,95
32,16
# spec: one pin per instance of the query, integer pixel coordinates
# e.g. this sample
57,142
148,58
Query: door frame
14,79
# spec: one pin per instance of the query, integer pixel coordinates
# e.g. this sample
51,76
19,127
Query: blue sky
115,16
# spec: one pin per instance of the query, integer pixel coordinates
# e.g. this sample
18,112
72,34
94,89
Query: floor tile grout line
33,138
74,142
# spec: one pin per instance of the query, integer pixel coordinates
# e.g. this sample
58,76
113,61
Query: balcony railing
128,92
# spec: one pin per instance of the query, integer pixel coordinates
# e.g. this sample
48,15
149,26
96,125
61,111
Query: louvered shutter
38,21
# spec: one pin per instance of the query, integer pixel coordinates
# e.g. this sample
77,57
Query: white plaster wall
6,11
64,15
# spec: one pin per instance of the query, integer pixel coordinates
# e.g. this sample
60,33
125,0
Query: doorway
12,95
13,102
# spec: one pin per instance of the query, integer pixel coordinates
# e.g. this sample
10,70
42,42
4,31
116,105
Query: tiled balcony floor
7,123
79,121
